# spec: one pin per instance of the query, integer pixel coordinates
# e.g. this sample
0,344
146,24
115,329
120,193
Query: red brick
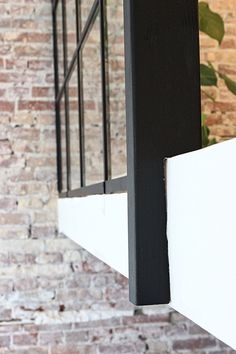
194,329
194,343
24,284
4,341
8,204
29,350
34,37
74,349
14,219
5,49
43,232
13,64
51,338
6,106
110,322
49,327
5,315
26,134
163,318
117,348
25,339
29,50
41,162
77,336
35,105
228,44
2,92
10,161
5,147
10,77
42,91
40,65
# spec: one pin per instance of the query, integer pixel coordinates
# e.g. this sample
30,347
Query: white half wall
201,231
99,224
201,198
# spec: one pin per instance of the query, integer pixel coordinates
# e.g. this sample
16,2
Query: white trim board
99,224
201,198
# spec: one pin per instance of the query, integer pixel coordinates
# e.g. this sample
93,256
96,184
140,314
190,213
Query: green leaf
206,133
210,22
208,75
203,118
212,142
231,85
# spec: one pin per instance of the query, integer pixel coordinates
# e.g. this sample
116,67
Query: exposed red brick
5,147
74,349
29,50
51,338
34,37
77,336
36,105
42,91
4,341
26,134
117,348
25,339
8,204
193,343
13,64
5,315
6,106
146,319
14,219
40,65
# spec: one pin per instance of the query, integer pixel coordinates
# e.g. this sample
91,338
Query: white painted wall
99,224
201,196
201,201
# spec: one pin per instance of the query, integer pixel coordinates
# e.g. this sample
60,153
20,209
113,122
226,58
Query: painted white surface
201,202
99,224
201,197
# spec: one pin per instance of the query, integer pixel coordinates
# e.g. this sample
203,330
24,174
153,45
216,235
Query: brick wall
221,114
55,297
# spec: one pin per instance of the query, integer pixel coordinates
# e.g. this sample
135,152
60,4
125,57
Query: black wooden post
163,119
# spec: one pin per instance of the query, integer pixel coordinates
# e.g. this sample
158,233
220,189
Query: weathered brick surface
221,114
55,297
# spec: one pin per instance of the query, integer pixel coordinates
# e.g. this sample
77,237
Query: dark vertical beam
80,95
67,113
105,92
54,4
56,83
163,119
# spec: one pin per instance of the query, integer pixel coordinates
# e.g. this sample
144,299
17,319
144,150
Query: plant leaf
206,141
212,142
210,22
208,75
231,85
203,118
205,134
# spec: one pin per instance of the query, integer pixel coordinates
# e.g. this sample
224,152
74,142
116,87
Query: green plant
211,24
206,141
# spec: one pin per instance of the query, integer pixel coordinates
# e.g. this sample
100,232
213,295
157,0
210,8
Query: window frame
163,110
109,185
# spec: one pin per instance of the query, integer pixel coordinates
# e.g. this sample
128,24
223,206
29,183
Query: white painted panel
201,197
99,224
